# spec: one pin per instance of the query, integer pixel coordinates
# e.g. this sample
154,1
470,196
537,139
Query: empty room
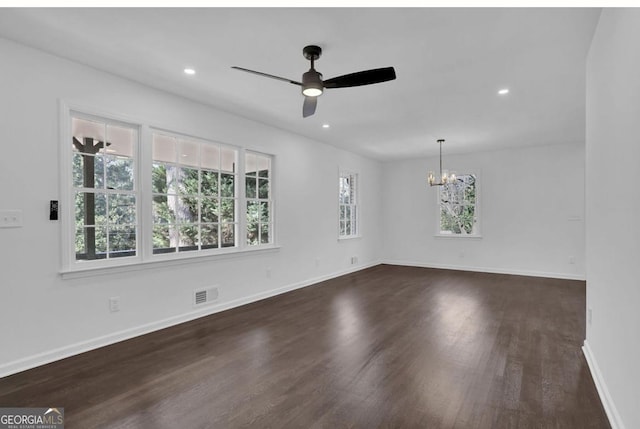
320,217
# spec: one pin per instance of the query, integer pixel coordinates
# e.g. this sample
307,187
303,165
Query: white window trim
145,257
478,233
148,196
343,172
67,205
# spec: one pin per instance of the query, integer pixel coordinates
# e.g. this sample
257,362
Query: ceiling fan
313,85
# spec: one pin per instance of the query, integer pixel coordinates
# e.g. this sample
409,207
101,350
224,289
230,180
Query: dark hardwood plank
385,347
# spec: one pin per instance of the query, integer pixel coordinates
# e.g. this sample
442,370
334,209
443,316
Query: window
348,205
105,192
134,194
258,196
194,195
459,206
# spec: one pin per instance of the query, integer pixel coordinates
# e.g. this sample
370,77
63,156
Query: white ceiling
450,64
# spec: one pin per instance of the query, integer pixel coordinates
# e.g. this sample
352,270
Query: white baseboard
517,272
105,340
605,397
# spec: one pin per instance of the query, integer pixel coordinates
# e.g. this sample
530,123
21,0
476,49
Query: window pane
88,171
122,241
227,209
209,236
209,182
264,212
91,208
187,211
347,227
162,209
228,235
122,209
251,187
80,242
264,166
264,233
164,148
342,228
78,170
188,237
342,212
209,210
250,164
119,173
91,243
162,239
345,190
188,181
98,167
163,179
87,134
227,185
263,188
253,211
228,160
121,140
458,206
210,156
252,233
189,153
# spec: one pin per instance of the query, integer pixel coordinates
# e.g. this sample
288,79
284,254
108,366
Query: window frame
477,231
353,176
237,200
143,158
67,198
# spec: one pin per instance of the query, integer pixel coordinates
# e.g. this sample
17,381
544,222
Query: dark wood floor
385,347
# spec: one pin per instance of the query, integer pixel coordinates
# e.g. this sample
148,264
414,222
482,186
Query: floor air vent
204,296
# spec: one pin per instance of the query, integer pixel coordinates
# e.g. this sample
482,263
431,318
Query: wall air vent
204,296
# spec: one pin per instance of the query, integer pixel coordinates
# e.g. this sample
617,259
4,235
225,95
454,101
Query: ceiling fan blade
366,77
309,106
284,79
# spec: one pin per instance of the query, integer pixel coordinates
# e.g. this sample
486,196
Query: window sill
468,237
162,260
351,237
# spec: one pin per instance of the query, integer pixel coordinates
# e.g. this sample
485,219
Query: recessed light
503,91
189,71
325,125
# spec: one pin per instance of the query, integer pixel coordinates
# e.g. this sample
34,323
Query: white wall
531,212
43,317
612,213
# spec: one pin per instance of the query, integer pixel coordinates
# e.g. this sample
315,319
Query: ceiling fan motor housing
312,83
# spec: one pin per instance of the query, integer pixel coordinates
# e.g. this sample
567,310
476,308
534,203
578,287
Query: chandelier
445,177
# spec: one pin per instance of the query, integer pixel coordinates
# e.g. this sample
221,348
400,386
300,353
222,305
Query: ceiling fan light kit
313,86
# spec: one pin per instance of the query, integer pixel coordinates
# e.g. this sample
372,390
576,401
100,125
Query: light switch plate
10,218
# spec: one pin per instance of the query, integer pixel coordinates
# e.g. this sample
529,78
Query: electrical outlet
354,260
114,304
572,260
